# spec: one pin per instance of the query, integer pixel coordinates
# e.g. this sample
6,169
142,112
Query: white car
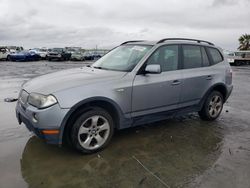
43,52
4,53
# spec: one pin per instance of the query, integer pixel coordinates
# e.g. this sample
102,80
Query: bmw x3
137,82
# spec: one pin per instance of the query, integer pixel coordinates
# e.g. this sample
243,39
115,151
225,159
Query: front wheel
92,131
212,106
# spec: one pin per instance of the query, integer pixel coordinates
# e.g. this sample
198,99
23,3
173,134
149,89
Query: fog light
34,117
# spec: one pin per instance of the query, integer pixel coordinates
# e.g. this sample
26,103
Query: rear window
216,55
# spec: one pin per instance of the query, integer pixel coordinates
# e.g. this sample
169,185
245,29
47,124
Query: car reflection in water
174,150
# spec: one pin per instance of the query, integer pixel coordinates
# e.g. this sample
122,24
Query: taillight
230,72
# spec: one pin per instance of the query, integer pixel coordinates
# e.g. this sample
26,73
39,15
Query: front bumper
45,119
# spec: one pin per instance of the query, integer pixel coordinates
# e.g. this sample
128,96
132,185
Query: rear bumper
47,119
229,91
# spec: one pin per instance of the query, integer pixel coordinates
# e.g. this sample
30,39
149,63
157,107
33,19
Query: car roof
171,41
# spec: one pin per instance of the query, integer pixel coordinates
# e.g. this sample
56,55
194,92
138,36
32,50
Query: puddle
174,151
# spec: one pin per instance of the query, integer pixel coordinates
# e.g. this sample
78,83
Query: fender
124,122
222,85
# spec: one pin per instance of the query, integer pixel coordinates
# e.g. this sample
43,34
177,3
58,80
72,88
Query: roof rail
132,41
197,40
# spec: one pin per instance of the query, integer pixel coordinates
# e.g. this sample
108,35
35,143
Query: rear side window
192,57
216,55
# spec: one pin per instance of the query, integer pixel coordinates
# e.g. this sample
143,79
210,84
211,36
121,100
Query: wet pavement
182,152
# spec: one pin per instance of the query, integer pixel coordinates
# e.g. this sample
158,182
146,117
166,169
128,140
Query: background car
94,54
42,52
77,56
4,53
59,54
24,56
88,56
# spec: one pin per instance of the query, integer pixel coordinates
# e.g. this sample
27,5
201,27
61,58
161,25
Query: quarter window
216,55
192,57
166,56
204,57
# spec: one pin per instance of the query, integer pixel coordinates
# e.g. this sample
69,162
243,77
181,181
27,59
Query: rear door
154,93
197,75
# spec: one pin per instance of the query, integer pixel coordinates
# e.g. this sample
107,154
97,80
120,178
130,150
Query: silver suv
138,82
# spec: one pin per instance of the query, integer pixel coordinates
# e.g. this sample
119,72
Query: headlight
41,101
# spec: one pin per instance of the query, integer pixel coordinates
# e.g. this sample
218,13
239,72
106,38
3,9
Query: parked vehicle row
54,54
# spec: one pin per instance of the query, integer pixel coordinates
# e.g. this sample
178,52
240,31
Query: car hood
62,80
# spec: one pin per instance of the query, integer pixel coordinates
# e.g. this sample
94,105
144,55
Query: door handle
209,77
175,82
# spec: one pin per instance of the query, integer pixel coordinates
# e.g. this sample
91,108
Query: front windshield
123,58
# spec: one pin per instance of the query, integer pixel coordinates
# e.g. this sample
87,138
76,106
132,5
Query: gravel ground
182,152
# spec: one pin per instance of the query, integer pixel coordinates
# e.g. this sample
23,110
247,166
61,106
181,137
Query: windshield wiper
97,67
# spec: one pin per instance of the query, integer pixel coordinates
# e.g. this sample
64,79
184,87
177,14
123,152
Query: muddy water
174,153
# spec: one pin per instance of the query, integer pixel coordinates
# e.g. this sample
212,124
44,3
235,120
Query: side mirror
153,69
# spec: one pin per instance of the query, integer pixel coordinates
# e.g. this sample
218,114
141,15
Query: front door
154,93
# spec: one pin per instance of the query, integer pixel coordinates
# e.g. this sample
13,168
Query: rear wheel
212,107
92,131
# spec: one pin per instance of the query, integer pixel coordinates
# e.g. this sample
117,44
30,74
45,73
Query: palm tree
244,41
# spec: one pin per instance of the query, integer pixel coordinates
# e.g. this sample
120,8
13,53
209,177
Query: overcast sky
106,23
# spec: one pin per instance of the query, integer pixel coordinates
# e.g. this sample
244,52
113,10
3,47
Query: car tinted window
216,55
204,57
191,56
166,56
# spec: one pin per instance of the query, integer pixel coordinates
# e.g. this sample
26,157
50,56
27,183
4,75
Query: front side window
166,56
122,58
192,57
216,55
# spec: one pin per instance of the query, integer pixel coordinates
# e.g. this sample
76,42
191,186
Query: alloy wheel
93,132
215,106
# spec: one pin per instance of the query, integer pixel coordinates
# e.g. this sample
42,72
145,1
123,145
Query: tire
237,63
92,131
8,58
212,106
